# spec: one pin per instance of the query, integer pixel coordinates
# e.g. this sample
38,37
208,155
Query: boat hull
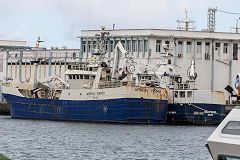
195,113
121,110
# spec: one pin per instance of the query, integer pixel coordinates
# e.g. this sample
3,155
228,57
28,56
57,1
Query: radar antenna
187,21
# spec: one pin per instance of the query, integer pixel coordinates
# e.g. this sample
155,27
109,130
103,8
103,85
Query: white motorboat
224,142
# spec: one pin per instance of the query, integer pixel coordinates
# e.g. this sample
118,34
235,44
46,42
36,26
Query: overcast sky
59,22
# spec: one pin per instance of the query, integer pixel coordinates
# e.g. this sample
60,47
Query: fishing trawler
186,103
94,92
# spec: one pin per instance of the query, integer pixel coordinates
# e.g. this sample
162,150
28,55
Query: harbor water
23,139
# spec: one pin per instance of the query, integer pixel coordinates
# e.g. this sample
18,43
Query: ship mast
236,28
187,21
34,75
101,51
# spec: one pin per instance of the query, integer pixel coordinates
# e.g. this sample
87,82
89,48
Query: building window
105,46
225,48
199,47
235,51
74,55
90,46
134,46
92,77
94,45
180,47
84,46
70,76
123,43
86,76
158,45
129,45
81,76
112,47
207,47
146,45
140,45
189,47
217,48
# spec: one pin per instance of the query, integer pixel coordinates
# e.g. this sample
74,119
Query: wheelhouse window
77,76
182,94
168,44
232,128
70,76
176,94
189,94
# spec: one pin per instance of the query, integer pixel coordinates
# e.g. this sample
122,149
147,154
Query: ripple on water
41,139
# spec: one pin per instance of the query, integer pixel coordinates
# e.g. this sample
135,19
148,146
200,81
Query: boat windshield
228,158
232,127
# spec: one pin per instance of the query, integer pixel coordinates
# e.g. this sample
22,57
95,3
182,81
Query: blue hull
123,110
196,113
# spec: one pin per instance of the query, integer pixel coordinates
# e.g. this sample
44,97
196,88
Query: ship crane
129,66
191,73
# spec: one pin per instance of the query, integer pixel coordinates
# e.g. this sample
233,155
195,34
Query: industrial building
53,62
